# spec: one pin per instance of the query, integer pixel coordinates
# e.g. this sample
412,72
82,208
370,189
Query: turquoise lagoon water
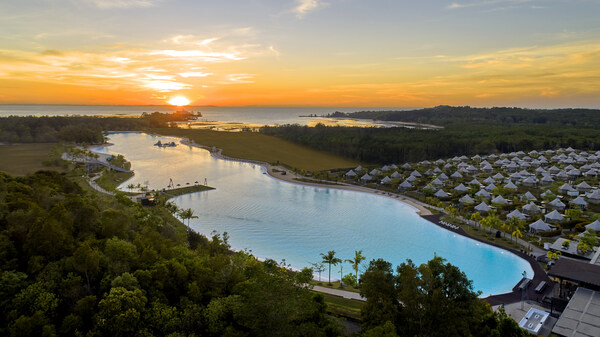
280,220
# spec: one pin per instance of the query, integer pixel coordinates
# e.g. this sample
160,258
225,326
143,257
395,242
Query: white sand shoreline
276,172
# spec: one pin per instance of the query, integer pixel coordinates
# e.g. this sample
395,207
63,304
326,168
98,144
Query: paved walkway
97,187
337,292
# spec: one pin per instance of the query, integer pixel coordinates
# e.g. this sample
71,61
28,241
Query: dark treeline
448,115
78,129
397,145
78,264
433,299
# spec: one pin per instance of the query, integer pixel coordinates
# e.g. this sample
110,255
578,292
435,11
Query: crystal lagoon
295,223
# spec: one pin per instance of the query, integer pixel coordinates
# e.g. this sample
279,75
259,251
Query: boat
159,143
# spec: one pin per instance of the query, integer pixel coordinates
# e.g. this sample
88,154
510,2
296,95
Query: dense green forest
466,131
76,263
79,129
448,115
433,299
73,263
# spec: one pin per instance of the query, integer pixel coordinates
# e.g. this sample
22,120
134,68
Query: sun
179,101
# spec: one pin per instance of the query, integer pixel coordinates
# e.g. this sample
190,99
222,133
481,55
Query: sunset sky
369,53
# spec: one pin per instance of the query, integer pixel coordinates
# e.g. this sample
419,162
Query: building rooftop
581,317
576,271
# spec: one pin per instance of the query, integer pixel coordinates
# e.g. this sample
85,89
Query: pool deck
515,295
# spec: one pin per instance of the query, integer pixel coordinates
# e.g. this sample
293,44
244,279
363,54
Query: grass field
111,180
23,159
256,146
343,307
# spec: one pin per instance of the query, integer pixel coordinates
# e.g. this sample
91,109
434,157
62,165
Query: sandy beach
282,173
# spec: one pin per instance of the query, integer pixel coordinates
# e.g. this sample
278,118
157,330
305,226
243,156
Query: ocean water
249,115
295,223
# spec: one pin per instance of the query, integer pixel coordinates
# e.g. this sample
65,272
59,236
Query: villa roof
510,185
554,215
499,200
490,187
528,196
395,174
441,194
515,214
405,184
482,193
466,199
579,201
540,225
595,226
461,188
483,207
350,174
556,203
531,208
594,195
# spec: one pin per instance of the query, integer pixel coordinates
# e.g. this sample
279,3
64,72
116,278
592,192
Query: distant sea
249,115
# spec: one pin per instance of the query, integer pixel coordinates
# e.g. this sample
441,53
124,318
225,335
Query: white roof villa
531,208
553,216
405,185
461,188
516,214
499,200
595,226
366,177
483,193
579,202
539,225
528,196
386,180
350,174
466,199
441,194
482,207
556,203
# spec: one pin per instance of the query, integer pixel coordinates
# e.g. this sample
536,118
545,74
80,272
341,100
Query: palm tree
476,217
131,187
358,259
187,214
517,234
319,268
331,260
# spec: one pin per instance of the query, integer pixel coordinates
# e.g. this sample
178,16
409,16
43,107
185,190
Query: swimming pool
281,220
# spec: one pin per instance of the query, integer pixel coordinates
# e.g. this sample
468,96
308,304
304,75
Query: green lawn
256,146
23,159
344,307
111,180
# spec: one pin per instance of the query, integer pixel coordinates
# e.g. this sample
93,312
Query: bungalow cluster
550,193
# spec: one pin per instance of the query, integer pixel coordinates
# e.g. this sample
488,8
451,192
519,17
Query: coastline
276,172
